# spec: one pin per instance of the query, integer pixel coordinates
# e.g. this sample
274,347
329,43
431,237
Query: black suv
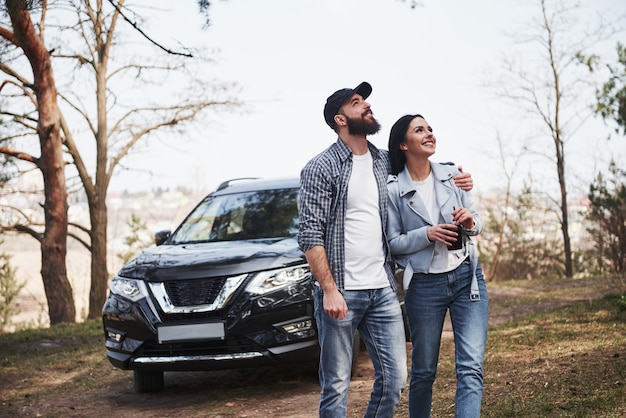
229,288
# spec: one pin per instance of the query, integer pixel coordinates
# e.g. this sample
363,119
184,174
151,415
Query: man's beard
362,126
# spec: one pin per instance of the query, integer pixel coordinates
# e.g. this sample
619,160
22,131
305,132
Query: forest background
145,126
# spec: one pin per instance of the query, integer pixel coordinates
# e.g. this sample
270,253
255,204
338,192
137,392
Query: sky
439,59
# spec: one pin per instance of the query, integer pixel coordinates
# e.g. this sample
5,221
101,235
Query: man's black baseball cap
338,98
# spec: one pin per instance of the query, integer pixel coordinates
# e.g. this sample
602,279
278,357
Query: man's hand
335,305
464,180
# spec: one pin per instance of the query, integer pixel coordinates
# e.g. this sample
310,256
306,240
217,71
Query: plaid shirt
323,199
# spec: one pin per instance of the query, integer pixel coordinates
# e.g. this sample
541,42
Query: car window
242,216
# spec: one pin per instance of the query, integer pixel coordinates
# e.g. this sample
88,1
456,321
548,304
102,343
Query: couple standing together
356,222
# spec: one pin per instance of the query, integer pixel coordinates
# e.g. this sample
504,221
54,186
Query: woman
425,210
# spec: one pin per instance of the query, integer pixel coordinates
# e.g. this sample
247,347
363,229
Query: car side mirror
161,236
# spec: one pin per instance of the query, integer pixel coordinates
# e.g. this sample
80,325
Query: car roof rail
227,183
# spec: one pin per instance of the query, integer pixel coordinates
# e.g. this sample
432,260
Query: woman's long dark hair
397,136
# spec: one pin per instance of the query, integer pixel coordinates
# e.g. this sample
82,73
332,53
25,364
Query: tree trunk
559,150
567,245
54,242
99,273
97,203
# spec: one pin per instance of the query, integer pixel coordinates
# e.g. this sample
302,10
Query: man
343,216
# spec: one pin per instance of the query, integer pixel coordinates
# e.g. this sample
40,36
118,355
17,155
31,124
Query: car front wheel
148,382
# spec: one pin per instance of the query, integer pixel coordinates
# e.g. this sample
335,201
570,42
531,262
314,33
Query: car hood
212,259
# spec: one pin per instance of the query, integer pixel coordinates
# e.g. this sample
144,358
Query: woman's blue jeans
377,315
427,301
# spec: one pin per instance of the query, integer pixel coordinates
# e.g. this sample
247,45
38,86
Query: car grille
197,295
194,292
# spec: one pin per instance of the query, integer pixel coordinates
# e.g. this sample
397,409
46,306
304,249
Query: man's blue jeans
377,315
427,300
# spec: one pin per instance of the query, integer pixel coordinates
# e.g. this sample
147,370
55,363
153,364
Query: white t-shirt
444,260
365,260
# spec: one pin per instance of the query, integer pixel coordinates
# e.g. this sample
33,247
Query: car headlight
128,288
268,281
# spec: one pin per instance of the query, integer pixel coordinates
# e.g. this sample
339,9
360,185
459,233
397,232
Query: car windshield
262,214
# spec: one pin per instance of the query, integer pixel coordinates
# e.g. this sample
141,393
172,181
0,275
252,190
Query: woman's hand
463,216
464,180
443,233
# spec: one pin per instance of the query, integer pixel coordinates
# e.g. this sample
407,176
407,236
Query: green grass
570,362
61,358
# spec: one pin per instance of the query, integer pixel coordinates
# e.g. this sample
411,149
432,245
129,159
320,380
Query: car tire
148,382
356,350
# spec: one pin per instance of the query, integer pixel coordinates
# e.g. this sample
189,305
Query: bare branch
88,45
68,140
182,113
7,34
19,155
81,60
80,240
109,39
5,68
148,38
140,68
26,230
24,86
25,225
82,113
21,213
13,136
42,20
81,227
22,120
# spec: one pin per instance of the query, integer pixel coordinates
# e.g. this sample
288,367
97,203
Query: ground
259,393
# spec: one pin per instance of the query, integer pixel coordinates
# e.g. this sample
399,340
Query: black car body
228,288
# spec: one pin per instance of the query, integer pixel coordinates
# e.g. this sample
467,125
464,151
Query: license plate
210,331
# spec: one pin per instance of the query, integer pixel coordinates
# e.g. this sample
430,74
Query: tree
498,215
136,240
118,115
612,96
6,169
10,287
607,215
607,198
553,92
42,92
526,245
